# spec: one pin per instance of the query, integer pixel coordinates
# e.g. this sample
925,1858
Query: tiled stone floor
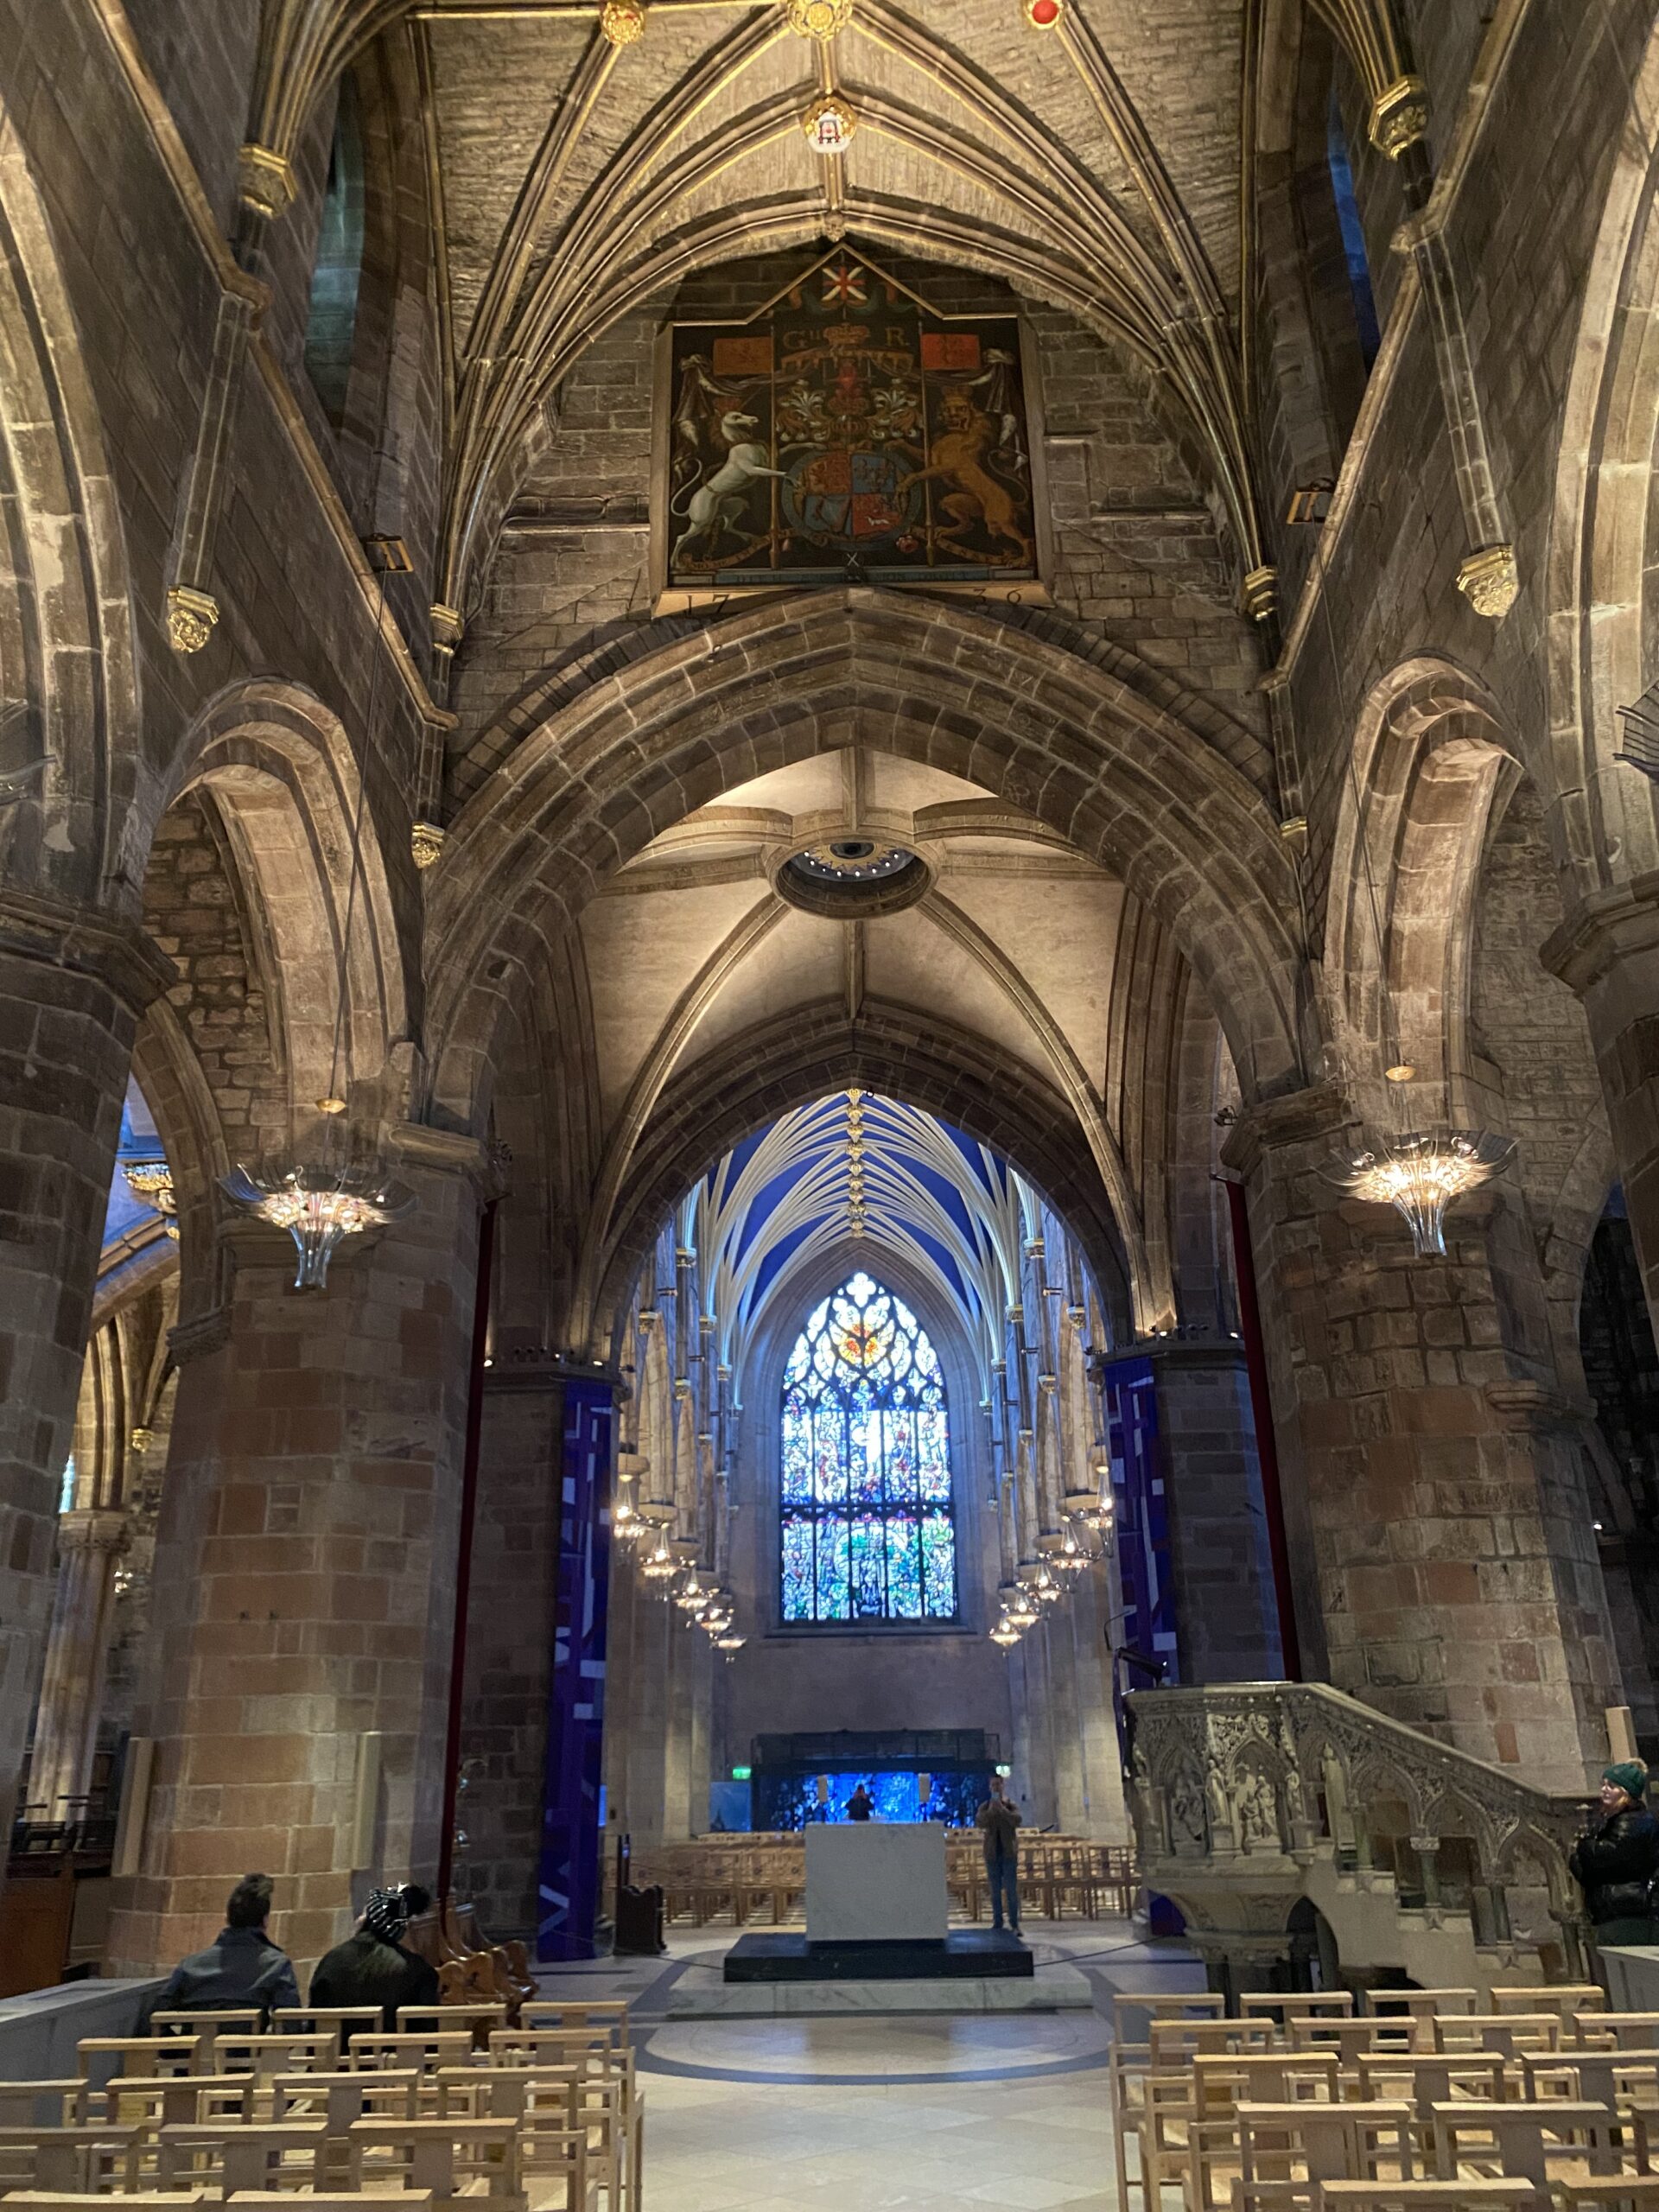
882,2113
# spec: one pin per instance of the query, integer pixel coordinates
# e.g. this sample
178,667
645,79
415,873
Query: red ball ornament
1043,14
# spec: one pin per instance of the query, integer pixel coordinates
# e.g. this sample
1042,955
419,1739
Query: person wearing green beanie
1615,1861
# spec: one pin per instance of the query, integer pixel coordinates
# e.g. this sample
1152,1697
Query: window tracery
869,1522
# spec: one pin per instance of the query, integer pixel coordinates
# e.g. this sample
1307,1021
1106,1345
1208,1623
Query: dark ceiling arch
763,1070
1101,761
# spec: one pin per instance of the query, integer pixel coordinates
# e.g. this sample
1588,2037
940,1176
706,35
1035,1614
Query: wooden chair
1567,1997
1508,2033
62,2103
178,2100
1351,2039
91,2161
1296,2003
1225,2082
285,2157
448,2158
1521,2138
259,2200
307,2051
1423,2006
1504,2191
426,2052
247,2021
1314,2141
41,2200
1617,2031
143,2056
345,2021
607,2012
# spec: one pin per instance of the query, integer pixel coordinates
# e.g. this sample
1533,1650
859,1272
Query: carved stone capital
92,1528
426,842
623,22
1619,923
207,1333
191,616
1259,594
264,181
1490,581
1297,1117
117,951
1399,116
448,626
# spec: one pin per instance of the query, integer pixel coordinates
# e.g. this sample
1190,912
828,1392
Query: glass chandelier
1005,1634
318,1205
1420,1173
323,1201
660,1564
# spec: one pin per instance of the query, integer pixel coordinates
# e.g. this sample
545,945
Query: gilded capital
190,619
264,181
1400,116
426,841
449,625
1259,597
1489,581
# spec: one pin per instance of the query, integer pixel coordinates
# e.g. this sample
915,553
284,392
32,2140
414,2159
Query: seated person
371,1967
240,1969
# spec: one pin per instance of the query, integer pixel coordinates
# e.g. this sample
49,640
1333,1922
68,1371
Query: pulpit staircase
1254,1801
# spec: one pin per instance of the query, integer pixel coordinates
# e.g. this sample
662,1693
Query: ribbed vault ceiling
954,1213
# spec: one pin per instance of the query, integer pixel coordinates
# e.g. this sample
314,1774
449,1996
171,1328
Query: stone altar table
877,1909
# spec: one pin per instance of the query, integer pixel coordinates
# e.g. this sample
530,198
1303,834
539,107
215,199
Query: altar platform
787,1955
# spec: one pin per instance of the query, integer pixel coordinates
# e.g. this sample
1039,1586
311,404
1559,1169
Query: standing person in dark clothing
1615,1860
241,1968
860,1805
1001,1822
371,1967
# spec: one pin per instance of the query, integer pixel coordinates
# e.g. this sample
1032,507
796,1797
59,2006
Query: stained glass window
868,1522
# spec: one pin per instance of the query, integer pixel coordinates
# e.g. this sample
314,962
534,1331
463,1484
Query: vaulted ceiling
1095,164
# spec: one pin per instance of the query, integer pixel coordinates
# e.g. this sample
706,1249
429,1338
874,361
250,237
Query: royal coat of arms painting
847,433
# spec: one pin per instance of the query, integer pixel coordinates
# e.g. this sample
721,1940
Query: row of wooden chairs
764,1879
1539,2097
547,2115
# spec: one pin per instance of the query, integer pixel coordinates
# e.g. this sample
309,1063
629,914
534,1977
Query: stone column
1435,1498
304,1590
72,987
1608,953
510,1626
1226,1624
90,1540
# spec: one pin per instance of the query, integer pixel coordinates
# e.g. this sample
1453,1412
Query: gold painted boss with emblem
818,18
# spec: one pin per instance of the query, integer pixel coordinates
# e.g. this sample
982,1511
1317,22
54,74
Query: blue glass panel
903,1568
869,1596
939,1568
797,1452
933,1457
833,1598
797,1567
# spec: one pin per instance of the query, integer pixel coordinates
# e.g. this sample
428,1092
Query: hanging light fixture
318,1206
730,1642
1420,1173
1071,1558
691,1597
1021,1609
322,1202
660,1564
1005,1633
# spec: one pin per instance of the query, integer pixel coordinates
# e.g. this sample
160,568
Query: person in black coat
371,1967
1615,1860
241,1968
